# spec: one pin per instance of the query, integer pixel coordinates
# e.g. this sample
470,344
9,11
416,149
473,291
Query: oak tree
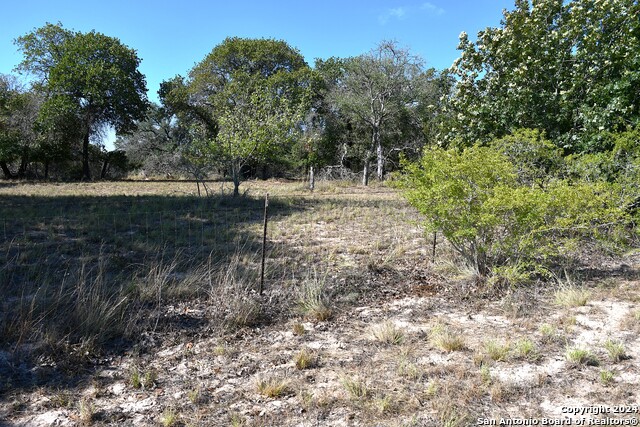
91,76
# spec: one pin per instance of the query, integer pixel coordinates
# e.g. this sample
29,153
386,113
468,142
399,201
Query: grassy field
135,303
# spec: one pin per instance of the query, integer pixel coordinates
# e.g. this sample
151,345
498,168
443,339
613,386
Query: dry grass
356,388
572,296
615,350
388,333
251,361
305,359
313,298
446,339
272,386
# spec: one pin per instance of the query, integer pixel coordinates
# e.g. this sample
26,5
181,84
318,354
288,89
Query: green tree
157,145
376,89
18,134
92,75
569,69
242,102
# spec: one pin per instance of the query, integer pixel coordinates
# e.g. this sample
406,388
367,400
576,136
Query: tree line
254,107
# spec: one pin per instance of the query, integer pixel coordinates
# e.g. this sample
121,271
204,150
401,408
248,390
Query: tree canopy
570,69
243,101
93,77
375,90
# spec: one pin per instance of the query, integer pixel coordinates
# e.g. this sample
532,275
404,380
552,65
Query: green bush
536,159
499,222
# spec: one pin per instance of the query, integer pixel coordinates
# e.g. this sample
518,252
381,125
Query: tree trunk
235,175
365,172
312,178
86,171
6,171
46,169
380,159
22,170
105,167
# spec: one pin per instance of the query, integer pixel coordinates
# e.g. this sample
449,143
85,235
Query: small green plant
524,348
571,296
496,350
409,370
143,380
549,333
195,396
606,377
304,359
355,387
272,386
615,350
236,420
384,405
388,333
433,386
169,417
485,374
220,350
61,399
581,356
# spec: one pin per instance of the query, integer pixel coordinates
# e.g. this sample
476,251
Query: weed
549,333
87,412
313,299
220,350
355,387
144,380
446,340
606,377
195,396
388,333
615,350
306,398
410,370
485,374
298,329
571,296
433,386
61,399
236,420
524,348
384,405
169,417
496,351
272,386
580,356
304,359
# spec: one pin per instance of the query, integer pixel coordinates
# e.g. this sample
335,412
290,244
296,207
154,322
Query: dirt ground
408,342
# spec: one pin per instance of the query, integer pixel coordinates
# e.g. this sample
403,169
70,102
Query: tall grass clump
313,297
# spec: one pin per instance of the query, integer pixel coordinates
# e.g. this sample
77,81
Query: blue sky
171,37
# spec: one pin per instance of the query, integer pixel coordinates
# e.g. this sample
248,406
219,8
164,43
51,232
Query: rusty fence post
264,241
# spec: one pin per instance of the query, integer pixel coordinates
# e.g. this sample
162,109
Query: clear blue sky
171,36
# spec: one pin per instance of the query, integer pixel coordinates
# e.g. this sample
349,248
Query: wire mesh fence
131,232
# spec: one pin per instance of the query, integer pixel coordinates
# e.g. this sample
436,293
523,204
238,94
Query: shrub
494,219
